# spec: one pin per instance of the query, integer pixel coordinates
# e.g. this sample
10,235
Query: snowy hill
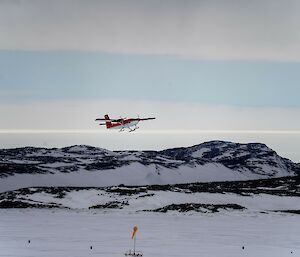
86,166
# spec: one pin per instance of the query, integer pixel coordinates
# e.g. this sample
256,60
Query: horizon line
165,131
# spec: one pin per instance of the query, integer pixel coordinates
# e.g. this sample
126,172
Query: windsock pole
134,246
135,228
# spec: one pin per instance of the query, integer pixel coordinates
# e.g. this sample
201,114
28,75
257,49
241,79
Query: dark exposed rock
198,207
145,195
126,190
290,211
7,169
287,186
106,163
7,204
110,205
252,156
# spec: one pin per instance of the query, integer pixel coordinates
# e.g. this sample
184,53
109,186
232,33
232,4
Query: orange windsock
135,228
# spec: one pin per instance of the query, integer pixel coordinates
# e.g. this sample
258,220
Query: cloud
248,30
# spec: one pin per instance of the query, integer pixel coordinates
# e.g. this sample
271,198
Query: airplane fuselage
124,124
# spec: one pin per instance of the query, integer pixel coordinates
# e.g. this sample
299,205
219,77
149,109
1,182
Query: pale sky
195,65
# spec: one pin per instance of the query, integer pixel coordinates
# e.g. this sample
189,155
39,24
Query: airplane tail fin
107,121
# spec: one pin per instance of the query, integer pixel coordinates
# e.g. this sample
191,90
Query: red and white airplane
122,123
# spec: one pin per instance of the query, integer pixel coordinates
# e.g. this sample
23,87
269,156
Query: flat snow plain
70,233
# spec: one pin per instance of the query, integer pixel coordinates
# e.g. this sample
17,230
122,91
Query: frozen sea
66,233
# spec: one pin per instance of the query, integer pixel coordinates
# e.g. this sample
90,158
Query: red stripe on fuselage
122,123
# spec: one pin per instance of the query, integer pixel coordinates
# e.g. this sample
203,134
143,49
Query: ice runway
63,233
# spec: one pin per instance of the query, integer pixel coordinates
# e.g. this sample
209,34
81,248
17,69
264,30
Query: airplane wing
146,119
120,120
111,120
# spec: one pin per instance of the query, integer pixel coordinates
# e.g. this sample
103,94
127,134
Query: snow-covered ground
65,233
134,174
152,200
